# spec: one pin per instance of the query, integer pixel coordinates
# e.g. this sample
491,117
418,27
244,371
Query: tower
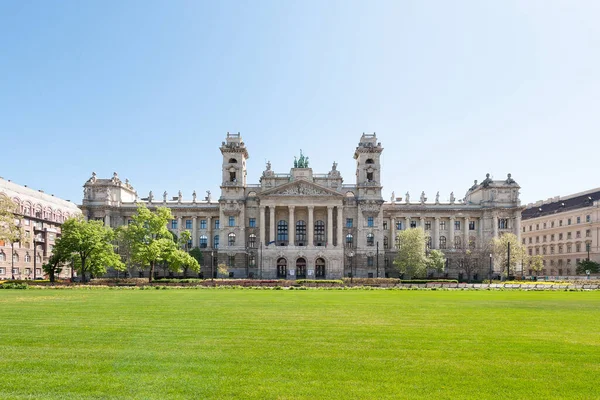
368,167
234,167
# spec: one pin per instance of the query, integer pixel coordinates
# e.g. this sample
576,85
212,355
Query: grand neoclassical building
301,224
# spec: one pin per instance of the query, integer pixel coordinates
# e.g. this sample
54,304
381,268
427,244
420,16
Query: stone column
261,222
422,223
407,222
495,225
392,241
209,235
272,215
340,227
195,232
107,219
517,228
179,223
311,225
480,231
466,233
329,225
435,240
292,226
450,243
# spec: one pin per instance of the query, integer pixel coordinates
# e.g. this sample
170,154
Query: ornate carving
302,189
231,208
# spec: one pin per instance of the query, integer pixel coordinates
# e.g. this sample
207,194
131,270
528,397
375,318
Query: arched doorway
320,268
282,268
301,268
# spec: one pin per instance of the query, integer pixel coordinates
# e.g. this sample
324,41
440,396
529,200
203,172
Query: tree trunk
151,271
83,269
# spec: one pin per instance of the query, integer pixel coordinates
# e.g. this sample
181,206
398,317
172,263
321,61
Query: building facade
41,216
302,224
564,231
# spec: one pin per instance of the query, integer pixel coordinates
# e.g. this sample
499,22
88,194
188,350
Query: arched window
369,161
216,242
472,242
503,223
39,259
27,258
386,243
320,268
2,256
282,268
442,242
203,242
231,239
232,161
301,268
320,233
370,239
457,242
282,231
252,240
300,233
349,240
15,257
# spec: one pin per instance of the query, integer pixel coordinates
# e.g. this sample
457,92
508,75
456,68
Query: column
392,241
106,220
495,225
517,228
311,225
261,222
195,232
329,225
422,223
179,223
272,215
209,235
450,243
340,227
436,234
407,222
481,234
466,233
292,226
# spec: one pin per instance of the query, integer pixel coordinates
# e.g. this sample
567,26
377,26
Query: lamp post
508,261
261,261
588,245
490,274
212,266
377,260
351,255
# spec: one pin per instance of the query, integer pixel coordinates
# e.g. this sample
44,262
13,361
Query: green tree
536,263
151,242
223,271
436,261
500,251
10,227
198,255
411,259
89,244
587,265
53,267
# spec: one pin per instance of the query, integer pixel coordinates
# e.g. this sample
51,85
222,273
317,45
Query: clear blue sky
150,88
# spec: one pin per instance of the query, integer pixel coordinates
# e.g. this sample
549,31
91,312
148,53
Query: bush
14,285
371,281
320,281
420,281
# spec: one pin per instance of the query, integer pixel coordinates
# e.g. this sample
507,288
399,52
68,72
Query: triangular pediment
300,188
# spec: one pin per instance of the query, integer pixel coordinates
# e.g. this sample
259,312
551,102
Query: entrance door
282,268
301,268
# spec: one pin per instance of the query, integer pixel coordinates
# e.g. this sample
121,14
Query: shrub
320,281
14,285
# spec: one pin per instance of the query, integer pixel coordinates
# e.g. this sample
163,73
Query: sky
149,89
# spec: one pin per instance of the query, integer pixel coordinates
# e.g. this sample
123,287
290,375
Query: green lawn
310,344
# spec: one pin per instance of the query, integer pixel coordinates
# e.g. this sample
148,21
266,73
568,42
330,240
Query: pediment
301,188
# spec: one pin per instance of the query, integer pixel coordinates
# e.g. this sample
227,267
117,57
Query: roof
569,203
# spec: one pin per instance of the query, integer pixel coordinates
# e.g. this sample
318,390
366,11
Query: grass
310,344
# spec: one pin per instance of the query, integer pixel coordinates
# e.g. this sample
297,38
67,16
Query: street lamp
588,245
212,266
351,255
490,275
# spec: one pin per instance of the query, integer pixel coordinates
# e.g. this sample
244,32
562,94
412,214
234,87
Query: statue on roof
150,197
452,198
487,181
407,197
437,198
295,162
93,178
423,199
509,179
165,196
208,196
179,196
474,185
194,196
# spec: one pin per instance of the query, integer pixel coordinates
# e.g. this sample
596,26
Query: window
578,220
129,221
190,243
231,239
27,258
443,225
385,225
252,240
15,271
578,247
252,222
369,177
537,250
231,221
457,242
457,225
530,228
370,239
568,235
560,222
282,231
398,226
173,224
569,247
530,252
217,224
319,233
203,242
588,218
369,261
560,236
413,224
578,234
530,240
216,242
2,271
503,224
523,229
544,250
370,222
551,249
537,227
544,238
386,242
523,241
588,233
537,239
15,257
188,224
349,240
427,225
552,224
203,224
560,249
442,242
320,268
251,260
552,237
300,233
544,225
2,256
349,222
569,221
471,225
231,261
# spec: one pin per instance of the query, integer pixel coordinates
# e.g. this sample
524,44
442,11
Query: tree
436,261
500,247
411,259
198,255
10,227
151,242
536,263
89,244
587,265
53,267
183,241
223,271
